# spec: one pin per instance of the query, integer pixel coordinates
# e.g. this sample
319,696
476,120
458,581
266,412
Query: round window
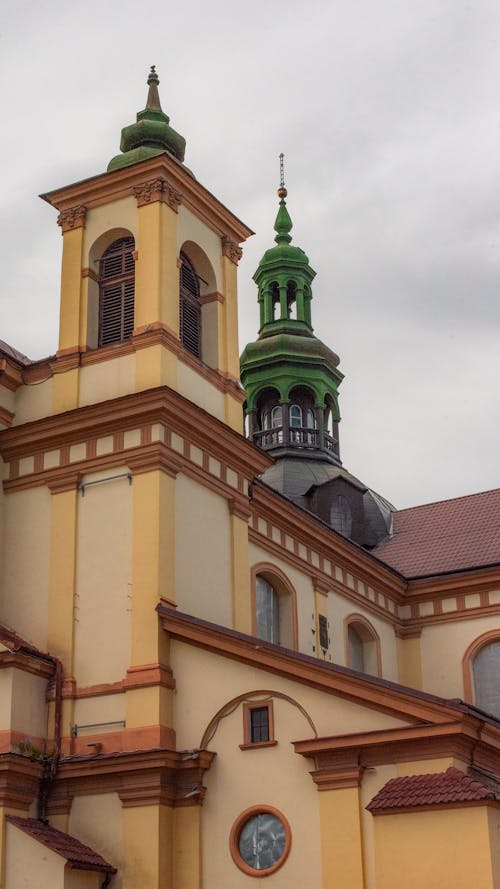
260,841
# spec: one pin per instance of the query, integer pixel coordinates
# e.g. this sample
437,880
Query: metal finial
153,77
282,192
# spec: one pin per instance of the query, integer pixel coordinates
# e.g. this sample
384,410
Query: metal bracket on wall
76,728
99,481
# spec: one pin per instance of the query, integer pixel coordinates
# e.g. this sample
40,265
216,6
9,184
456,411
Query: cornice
471,580
159,405
11,376
27,663
141,778
108,187
19,780
6,417
268,504
379,694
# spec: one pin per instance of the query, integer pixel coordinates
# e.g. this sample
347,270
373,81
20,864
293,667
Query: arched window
190,309
362,645
486,675
275,300
295,423
310,419
274,606
267,621
276,416
291,296
116,292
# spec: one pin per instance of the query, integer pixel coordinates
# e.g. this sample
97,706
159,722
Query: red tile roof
439,788
451,535
76,853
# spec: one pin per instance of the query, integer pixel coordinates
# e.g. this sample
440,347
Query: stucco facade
134,531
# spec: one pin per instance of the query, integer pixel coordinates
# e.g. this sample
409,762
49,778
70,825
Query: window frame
234,838
470,654
283,587
248,707
359,622
123,280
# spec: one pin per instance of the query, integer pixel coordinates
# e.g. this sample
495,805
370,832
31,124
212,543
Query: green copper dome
290,376
150,135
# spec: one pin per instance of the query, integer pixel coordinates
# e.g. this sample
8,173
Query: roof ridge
447,500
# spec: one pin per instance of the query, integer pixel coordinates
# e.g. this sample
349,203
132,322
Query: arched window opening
116,292
310,419
356,650
291,300
295,423
362,646
275,608
267,619
275,300
330,429
277,424
486,674
190,309
341,515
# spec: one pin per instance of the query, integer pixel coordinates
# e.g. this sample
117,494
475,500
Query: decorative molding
212,298
140,777
339,778
158,189
408,631
11,377
6,417
72,217
19,780
369,691
107,187
231,249
239,508
89,273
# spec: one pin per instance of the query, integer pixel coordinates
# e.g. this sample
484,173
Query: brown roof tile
435,789
76,853
451,535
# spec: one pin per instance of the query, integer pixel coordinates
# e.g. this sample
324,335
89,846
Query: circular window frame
234,839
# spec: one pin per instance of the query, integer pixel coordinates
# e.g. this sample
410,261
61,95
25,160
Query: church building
223,657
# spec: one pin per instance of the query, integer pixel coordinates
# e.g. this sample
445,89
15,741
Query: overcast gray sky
389,117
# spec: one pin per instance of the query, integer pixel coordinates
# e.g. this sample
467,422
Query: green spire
151,134
287,358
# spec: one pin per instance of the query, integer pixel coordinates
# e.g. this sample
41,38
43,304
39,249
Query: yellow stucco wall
29,864
227,679
99,382
441,673
31,402
201,392
203,552
190,228
29,708
25,575
103,580
436,849
97,820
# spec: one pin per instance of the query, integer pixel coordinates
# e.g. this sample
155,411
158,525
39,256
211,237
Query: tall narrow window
267,611
190,309
356,652
275,300
291,295
116,292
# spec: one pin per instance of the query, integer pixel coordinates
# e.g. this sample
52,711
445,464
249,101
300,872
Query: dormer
148,283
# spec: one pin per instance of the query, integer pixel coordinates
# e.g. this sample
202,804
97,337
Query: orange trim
234,839
355,618
369,691
129,739
247,724
109,187
230,707
471,652
6,416
280,582
12,741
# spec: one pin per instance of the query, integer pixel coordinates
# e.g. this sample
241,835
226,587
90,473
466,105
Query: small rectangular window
258,724
323,631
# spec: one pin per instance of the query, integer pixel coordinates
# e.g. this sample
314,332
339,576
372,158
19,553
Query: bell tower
290,376
148,283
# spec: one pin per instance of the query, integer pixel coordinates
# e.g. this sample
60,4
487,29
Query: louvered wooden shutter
116,292
190,309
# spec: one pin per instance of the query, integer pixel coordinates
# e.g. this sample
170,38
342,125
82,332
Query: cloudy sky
389,117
